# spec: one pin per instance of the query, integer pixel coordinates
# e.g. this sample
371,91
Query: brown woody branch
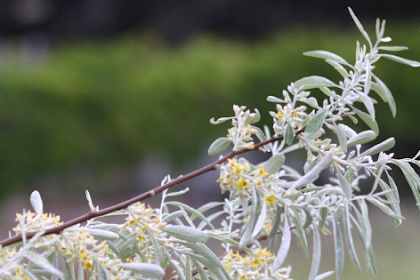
126,203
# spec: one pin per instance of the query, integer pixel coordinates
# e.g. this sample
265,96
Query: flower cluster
141,218
80,246
239,178
12,268
255,266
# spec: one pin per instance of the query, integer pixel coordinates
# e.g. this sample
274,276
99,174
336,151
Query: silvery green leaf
261,136
313,82
342,139
284,247
368,79
81,272
192,211
348,236
314,125
220,120
316,255
312,175
383,207
128,248
200,270
225,238
392,48
411,177
158,255
326,91
188,271
297,220
273,165
67,268
323,212
89,199
172,216
324,275
181,192
219,145
367,119
337,66
401,60
261,220
396,198
361,138
360,26
275,99
344,184
36,202
367,101
339,249
308,220
289,136
30,275
210,218
43,263
186,233
371,261
102,274
381,147
385,94
254,117
366,223
327,56
276,223
177,269
247,235
103,234
211,260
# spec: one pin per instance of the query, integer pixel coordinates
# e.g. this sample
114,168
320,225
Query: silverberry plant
268,203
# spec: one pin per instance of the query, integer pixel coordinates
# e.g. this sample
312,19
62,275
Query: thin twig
126,203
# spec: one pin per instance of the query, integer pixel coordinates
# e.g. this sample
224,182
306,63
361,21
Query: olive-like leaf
314,82
401,60
273,165
186,233
361,138
314,125
219,145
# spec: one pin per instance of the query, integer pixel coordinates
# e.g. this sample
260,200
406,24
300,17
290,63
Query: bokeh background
111,96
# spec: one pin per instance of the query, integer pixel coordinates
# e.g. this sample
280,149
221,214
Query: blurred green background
115,115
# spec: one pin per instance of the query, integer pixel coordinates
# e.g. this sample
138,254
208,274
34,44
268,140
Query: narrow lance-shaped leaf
339,250
284,247
392,48
314,82
360,26
186,233
326,55
247,236
382,89
342,138
289,135
337,66
314,125
312,175
344,184
348,236
261,219
220,120
367,119
361,138
273,165
316,255
219,145
401,60
145,269
381,147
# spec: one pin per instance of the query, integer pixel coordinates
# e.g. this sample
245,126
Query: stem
126,203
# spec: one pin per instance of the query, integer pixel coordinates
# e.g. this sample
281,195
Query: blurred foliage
106,104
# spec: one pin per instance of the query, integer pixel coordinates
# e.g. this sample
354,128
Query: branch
126,203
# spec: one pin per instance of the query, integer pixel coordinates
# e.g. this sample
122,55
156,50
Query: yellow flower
294,114
280,115
256,262
242,183
270,199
